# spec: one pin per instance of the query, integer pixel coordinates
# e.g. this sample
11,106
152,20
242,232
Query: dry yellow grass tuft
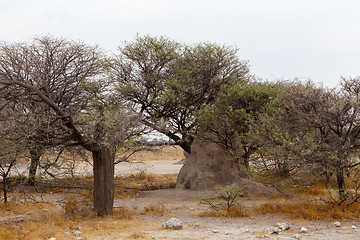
44,226
154,209
312,210
142,176
316,189
131,185
53,224
8,234
19,208
124,213
79,204
76,213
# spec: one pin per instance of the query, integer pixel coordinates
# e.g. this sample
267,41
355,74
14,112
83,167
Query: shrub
226,198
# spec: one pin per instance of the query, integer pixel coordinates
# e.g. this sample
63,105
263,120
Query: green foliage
169,82
234,112
227,196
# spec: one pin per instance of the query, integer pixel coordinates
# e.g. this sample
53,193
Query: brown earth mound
209,166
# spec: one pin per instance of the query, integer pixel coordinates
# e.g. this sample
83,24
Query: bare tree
67,77
320,126
33,121
11,147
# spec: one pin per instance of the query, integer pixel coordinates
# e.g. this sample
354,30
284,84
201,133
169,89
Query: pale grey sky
282,39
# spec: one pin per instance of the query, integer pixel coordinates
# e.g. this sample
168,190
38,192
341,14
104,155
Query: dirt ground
185,206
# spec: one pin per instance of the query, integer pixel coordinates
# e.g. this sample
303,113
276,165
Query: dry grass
8,234
133,184
79,204
54,224
316,189
18,208
310,198
44,226
312,210
64,185
79,207
138,235
158,153
124,214
155,209
76,212
234,211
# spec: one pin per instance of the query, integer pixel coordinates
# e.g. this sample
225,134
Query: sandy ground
154,167
184,205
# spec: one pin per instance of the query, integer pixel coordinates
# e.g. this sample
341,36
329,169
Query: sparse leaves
226,198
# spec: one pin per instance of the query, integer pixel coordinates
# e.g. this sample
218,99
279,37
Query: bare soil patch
141,214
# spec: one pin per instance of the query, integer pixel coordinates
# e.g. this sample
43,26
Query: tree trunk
248,150
5,186
35,155
341,184
186,147
103,168
246,159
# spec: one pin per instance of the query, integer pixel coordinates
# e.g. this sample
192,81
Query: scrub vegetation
65,103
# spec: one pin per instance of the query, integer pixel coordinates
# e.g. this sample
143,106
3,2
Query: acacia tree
9,155
11,147
281,136
32,123
67,77
320,126
168,82
228,121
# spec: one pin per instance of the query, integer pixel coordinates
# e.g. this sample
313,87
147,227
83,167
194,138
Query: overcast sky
282,39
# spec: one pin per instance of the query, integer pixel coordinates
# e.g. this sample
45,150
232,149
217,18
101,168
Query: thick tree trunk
35,155
341,184
5,186
103,167
186,147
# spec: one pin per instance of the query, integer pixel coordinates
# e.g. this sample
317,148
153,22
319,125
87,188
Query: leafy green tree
168,82
228,121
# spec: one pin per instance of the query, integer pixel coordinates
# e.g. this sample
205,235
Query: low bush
234,211
225,200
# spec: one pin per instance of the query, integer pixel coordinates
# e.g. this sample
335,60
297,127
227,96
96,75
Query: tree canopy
67,78
64,93
167,82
